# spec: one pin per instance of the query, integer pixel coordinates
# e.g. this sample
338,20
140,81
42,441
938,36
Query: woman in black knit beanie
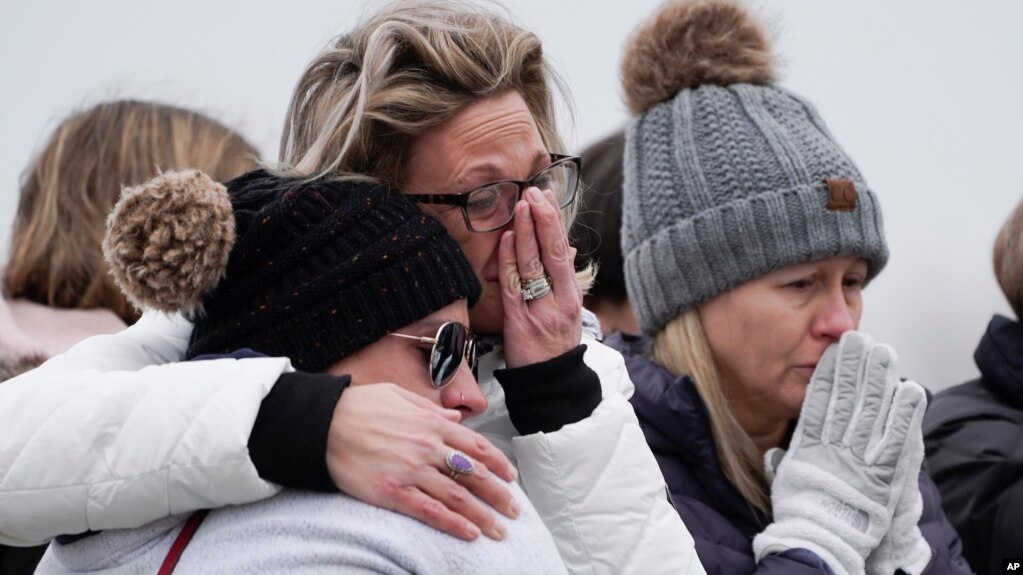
348,279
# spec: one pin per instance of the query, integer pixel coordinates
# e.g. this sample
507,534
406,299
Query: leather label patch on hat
841,195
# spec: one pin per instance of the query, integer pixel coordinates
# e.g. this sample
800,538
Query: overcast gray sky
924,94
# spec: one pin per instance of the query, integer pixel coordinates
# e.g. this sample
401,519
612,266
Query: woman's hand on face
388,446
549,325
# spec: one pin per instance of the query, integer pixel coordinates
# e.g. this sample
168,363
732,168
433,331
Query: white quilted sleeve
98,438
599,489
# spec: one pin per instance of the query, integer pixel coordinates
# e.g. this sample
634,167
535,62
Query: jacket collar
1000,358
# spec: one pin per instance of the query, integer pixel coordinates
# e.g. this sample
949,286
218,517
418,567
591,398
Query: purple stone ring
459,463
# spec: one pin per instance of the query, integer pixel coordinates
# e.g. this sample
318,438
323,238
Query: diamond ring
535,288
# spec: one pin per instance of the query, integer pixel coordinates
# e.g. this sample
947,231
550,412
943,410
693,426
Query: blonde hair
71,186
1008,260
682,348
362,103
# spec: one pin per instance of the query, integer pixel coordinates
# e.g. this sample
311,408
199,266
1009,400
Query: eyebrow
493,172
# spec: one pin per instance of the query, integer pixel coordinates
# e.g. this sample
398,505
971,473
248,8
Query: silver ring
536,288
459,463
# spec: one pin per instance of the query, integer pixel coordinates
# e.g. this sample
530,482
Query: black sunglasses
453,342
490,206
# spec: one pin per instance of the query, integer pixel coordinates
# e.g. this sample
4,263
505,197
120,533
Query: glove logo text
855,517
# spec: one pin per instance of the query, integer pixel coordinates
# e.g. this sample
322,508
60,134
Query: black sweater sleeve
288,444
548,395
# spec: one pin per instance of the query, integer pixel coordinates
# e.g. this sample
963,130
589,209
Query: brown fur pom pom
688,43
168,240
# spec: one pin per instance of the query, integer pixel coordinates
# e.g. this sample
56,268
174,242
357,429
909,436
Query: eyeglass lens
448,352
493,206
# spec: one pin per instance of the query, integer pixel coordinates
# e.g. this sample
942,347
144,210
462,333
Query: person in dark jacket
595,233
787,439
974,432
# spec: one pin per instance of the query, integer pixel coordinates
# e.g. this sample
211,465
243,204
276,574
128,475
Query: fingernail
535,195
497,532
524,211
472,530
513,509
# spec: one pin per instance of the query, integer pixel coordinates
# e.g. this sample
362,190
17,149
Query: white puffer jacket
107,436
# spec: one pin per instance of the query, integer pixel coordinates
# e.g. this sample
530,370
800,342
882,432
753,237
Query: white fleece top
301,532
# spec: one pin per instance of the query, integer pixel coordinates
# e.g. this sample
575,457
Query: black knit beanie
317,270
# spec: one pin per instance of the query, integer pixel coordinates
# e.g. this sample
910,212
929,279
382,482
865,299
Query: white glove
904,547
836,489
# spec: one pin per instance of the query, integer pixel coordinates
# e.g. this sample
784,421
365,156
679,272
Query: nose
463,393
834,315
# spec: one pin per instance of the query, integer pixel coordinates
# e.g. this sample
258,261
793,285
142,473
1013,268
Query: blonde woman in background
56,289
55,282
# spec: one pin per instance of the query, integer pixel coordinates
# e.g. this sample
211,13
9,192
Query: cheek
856,311
758,355
480,250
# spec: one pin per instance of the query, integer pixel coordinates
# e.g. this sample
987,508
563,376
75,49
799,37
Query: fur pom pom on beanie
168,240
689,44
311,270
727,176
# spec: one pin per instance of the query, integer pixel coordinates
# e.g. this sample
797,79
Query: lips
806,370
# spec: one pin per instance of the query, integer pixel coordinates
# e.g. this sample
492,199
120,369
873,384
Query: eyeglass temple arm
451,200
426,340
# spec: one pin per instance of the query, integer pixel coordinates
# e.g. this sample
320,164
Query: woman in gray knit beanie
788,441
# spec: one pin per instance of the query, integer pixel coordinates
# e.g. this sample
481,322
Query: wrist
288,443
546,396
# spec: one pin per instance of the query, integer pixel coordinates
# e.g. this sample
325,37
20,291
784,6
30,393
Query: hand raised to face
853,451
542,301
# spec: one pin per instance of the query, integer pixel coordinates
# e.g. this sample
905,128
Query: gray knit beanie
727,176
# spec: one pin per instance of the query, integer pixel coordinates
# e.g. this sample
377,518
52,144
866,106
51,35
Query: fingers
482,451
903,425
387,447
452,415
818,395
553,241
527,252
491,490
456,498
876,391
414,503
508,276
772,459
852,354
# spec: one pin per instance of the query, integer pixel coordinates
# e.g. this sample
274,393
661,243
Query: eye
482,201
801,284
853,281
544,181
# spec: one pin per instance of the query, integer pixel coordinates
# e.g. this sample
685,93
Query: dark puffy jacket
676,425
974,438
